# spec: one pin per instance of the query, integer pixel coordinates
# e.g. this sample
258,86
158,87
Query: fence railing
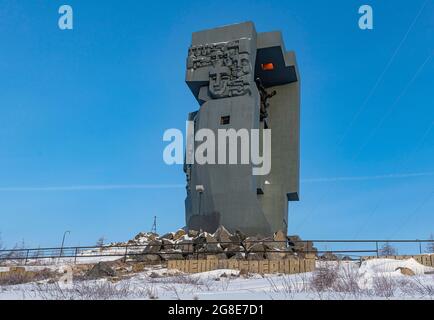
131,250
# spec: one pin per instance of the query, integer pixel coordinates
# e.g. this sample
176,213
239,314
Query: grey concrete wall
230,197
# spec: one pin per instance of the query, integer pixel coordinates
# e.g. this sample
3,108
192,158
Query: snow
390,265
160,283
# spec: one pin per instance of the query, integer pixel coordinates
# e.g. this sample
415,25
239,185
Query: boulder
153,246
209,238
222,235
258,248
179,234
280,238
250,241
199,241
233,248
193,233
211,248
275,255
168,236
238,237
147,236
185,245
147,258
101,270
172,255
294,238
329,256
168,244
298,245
255,256
140,235
238,256
406,271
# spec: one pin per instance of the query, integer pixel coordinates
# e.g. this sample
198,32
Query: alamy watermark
229,146
366,20
66,20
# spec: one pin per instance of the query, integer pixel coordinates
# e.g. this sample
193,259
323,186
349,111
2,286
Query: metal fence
346,247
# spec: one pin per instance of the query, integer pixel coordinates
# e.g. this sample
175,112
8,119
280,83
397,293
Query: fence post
378,253
75,255
27,256
420,246
126,251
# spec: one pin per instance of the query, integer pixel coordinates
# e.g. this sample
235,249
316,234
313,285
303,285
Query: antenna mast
154,225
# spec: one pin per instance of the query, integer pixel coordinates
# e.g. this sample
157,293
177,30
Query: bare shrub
100,241
384,285
417,286
348,281
182,279
225,283
324,278
151,292
93,290
388,250
185,283
288,285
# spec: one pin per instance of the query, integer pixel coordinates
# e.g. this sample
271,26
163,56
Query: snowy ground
374,279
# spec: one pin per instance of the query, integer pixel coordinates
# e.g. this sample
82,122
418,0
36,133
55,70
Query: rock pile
222,245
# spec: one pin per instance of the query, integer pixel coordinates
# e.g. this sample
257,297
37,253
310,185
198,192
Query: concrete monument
244,79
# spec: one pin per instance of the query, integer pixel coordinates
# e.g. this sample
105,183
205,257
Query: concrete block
294,265
301,265
233,264
263,266
193,266
223,264
273,266
212,264
171,264
243,265
310,265
254,266
284,266
202,266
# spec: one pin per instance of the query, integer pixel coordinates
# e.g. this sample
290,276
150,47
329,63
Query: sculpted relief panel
229,66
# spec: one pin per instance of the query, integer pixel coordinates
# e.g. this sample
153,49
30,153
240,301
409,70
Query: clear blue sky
89,107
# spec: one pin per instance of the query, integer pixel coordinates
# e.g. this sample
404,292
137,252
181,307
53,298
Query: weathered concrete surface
223,68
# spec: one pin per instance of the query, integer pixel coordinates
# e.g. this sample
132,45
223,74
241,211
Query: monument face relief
243,80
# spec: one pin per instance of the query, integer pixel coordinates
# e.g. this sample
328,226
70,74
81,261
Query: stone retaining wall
288,266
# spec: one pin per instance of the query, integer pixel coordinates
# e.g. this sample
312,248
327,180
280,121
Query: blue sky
89,107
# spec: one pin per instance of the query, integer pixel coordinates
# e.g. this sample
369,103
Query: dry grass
16,278
94,290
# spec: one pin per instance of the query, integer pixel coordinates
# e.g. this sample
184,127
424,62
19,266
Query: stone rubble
222,244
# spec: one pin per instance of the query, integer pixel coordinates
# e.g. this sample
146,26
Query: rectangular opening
267,66
225,120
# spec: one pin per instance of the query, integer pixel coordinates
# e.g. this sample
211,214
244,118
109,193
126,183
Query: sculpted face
219,77
244,63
